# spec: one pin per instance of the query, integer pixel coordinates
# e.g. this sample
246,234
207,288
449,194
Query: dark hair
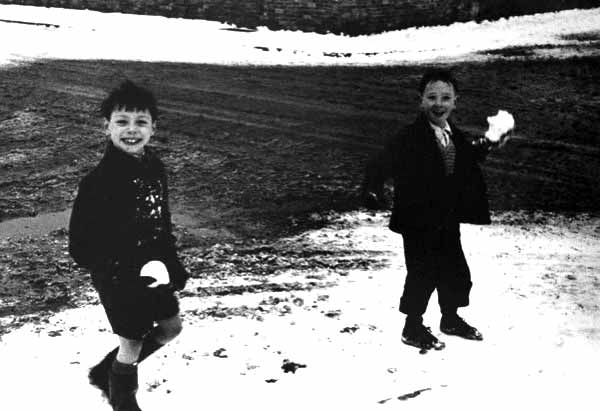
437,74
129,96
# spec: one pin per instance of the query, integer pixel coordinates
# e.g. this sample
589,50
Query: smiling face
130,131
438,101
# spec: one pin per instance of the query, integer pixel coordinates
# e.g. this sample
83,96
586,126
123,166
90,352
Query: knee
172,329
176,329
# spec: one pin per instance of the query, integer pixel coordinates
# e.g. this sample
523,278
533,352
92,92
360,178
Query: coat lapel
433,162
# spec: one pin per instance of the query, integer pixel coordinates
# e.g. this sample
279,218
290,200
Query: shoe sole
438,346
466,337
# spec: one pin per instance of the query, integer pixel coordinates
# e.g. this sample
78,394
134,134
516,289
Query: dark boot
123,385
98,375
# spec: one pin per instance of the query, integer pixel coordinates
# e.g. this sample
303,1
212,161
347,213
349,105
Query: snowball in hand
157,270
499,125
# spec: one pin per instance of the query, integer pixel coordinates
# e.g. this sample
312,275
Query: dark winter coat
424,197
121,219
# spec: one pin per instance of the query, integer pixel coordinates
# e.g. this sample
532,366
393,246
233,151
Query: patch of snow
533,299
84,34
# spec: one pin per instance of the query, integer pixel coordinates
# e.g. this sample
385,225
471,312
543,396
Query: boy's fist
373,202
156,271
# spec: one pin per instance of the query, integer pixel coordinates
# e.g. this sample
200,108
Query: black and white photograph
299,205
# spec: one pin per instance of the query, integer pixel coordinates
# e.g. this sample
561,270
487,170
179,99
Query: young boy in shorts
438,184
120,230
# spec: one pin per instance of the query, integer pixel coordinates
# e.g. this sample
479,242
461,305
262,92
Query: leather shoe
459,327
421,337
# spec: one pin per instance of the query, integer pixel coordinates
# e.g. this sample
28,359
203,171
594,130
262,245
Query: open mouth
131,141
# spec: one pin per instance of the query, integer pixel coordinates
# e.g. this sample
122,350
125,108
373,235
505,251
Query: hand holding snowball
499,127
155,270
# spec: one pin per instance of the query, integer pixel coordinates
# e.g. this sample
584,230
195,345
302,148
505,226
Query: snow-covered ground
535,299
83,34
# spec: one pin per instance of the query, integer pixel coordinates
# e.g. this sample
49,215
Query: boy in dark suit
438,184
120,230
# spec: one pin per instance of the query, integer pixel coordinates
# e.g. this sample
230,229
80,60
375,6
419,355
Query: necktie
444,136
447,135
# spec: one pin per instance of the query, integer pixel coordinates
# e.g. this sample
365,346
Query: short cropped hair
129,96
437,74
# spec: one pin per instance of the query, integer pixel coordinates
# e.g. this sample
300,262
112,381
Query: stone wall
338,16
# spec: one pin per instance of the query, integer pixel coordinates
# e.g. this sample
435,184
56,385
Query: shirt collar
438,129
442,133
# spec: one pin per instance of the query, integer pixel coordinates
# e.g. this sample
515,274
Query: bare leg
129,350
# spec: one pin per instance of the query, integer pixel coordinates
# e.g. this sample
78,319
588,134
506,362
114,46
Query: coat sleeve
382,166
177,272
473,204
480,146
89,242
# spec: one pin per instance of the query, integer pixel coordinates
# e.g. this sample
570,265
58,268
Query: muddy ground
259,153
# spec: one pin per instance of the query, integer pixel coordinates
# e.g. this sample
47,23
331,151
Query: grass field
250,148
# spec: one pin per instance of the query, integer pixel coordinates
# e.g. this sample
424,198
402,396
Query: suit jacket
424,197
107,232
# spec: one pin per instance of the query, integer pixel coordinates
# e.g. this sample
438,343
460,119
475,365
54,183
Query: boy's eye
121,122
141,122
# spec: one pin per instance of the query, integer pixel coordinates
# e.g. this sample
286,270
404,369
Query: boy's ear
105,124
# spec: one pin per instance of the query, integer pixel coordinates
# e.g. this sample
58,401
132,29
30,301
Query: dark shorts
132,309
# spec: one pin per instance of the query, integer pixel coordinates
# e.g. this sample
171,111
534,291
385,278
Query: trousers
435,261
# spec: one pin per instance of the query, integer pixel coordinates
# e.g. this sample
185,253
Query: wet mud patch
405,396
291,366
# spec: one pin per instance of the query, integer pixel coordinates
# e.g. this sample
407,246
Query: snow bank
83,34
